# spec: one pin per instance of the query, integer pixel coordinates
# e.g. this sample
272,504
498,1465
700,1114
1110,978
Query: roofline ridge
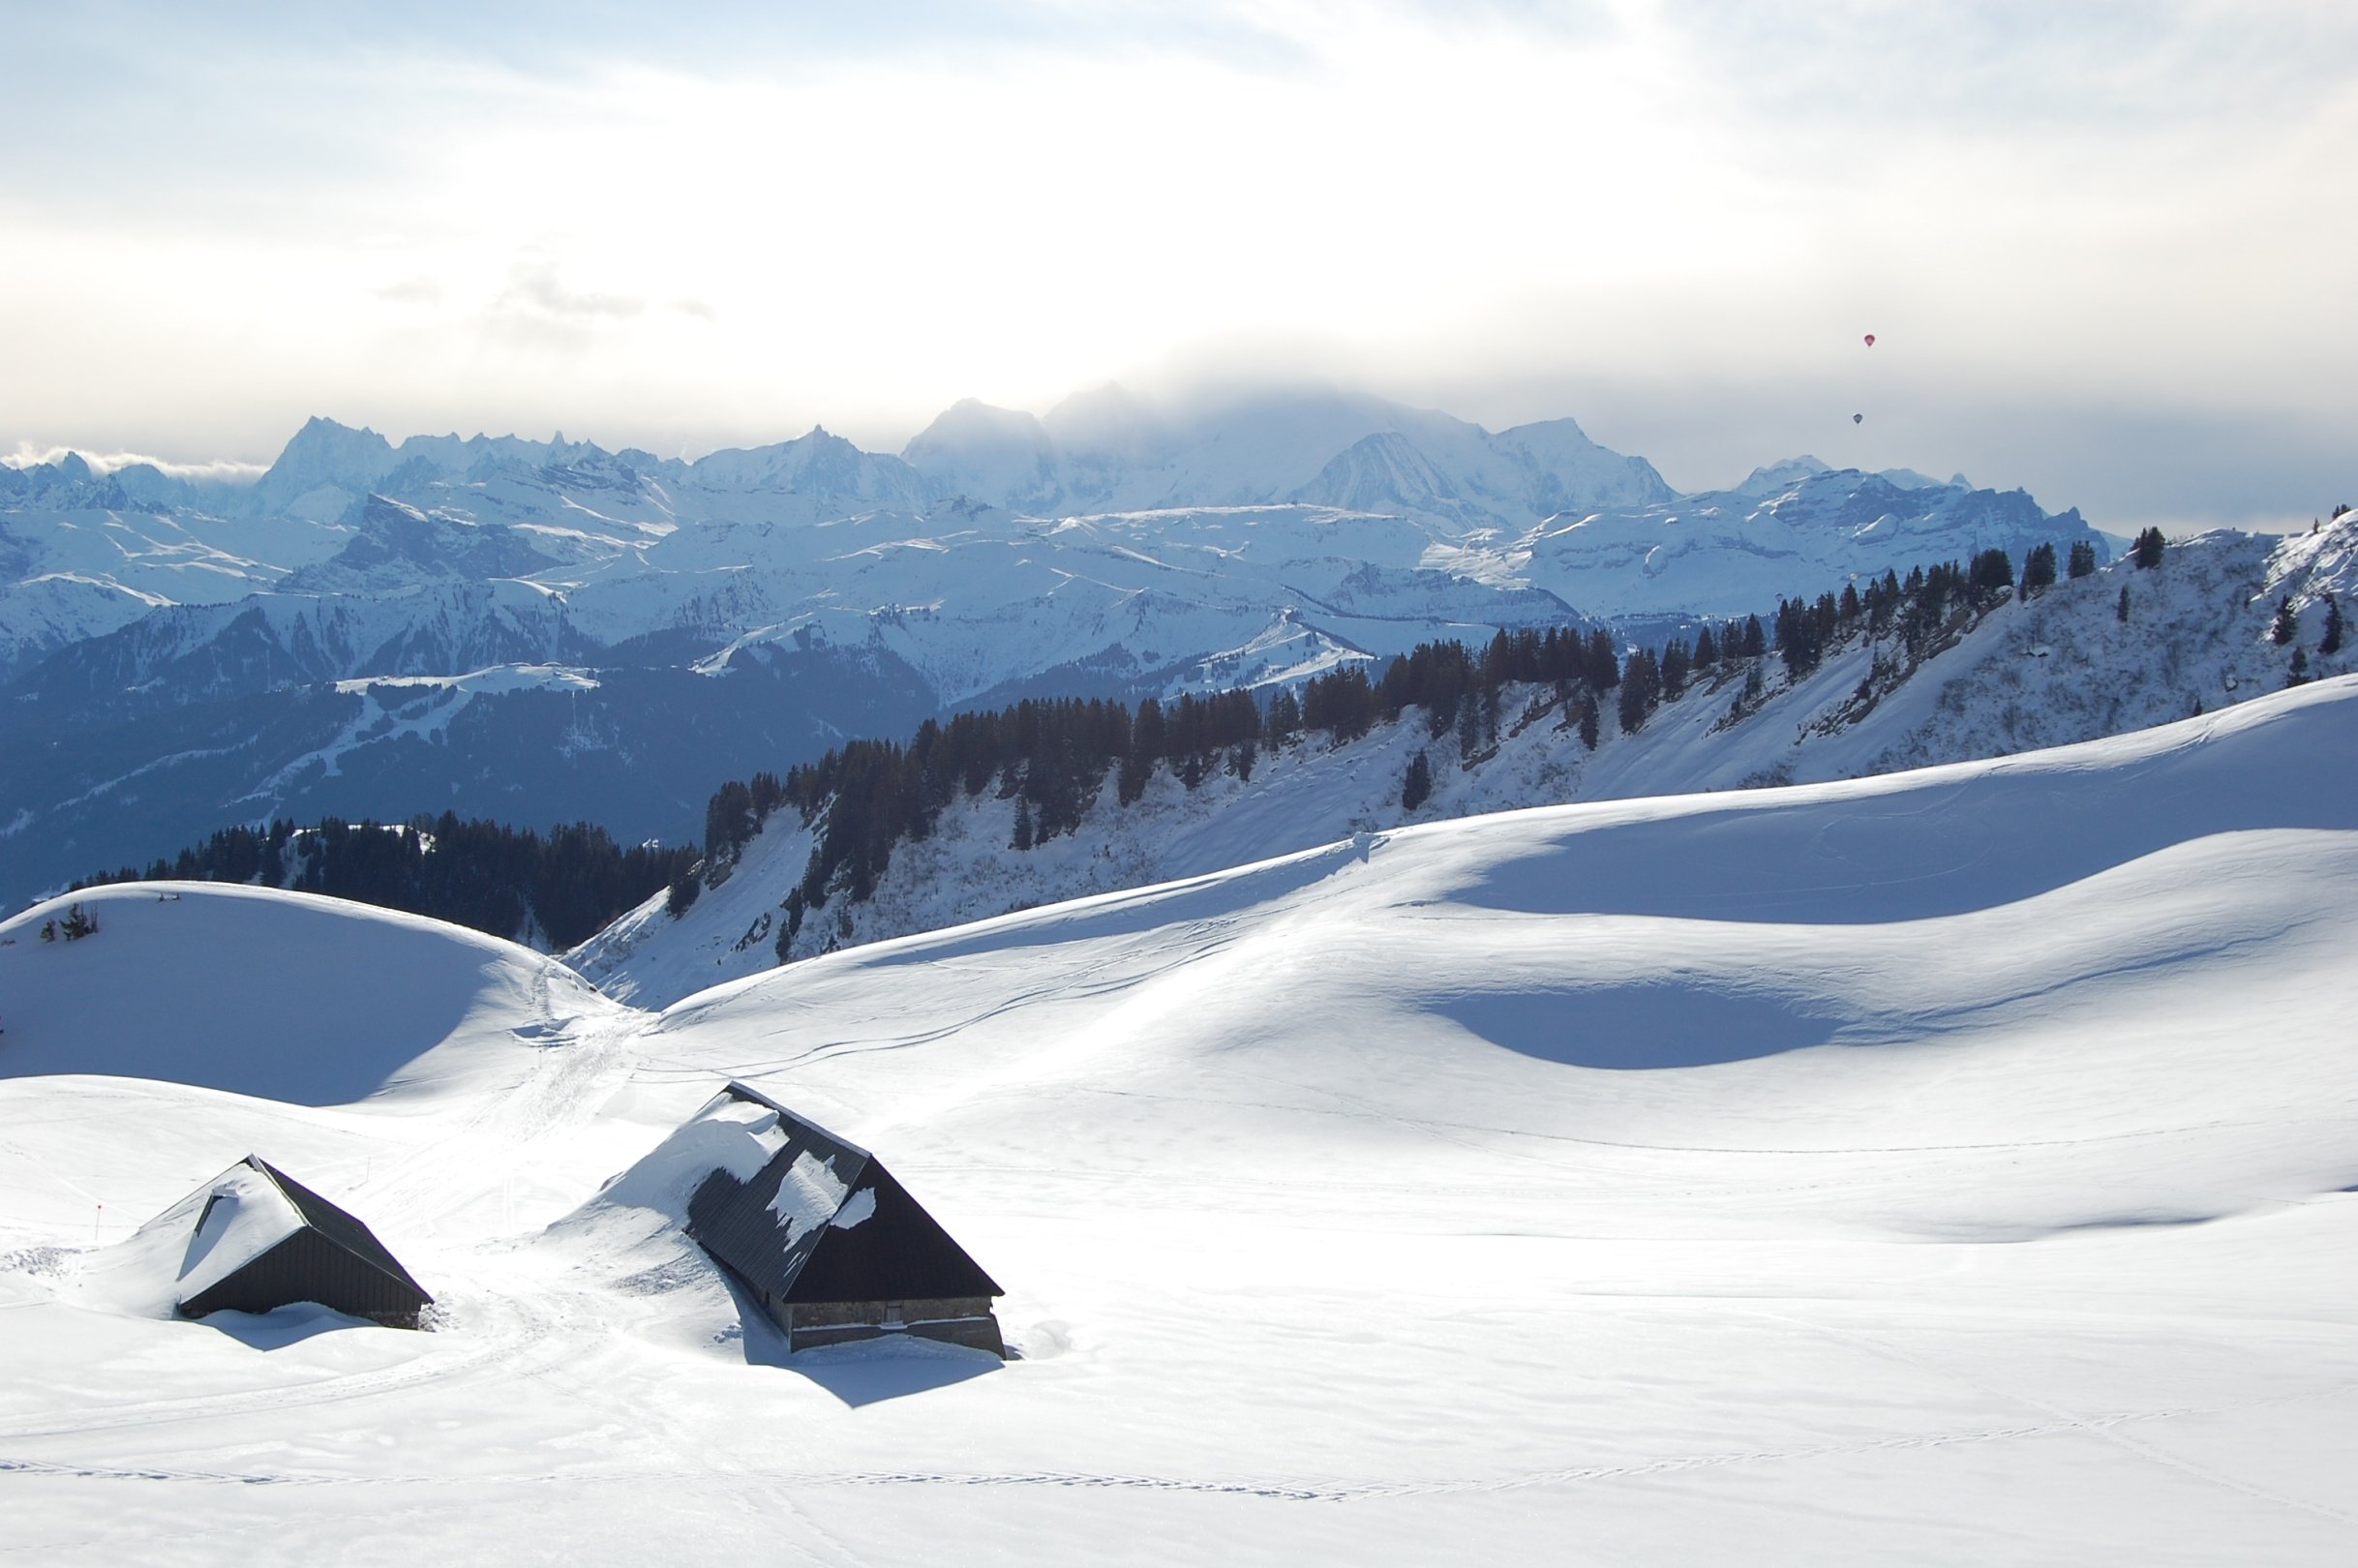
745,1091
398,1272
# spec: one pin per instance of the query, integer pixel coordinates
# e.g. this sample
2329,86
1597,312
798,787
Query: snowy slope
315,1001
1788,529
2059,669
1946,1168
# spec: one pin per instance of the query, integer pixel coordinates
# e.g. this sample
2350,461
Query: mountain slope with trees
1046,803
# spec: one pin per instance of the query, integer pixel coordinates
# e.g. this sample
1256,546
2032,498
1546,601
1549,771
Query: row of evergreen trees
491,877
1051,756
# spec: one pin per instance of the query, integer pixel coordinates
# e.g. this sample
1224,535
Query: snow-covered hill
1944,1167
2060,668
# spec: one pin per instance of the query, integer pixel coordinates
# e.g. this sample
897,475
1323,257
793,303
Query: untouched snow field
1951,1166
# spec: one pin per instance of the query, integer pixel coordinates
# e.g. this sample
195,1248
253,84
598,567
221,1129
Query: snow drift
1940,1167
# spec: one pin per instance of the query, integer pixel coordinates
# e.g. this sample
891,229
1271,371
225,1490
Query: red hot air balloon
1870,340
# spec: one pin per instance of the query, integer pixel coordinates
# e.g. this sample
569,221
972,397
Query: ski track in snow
2060,1422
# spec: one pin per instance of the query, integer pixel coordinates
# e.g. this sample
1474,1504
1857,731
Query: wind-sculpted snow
2003,1223
283,996
1923,845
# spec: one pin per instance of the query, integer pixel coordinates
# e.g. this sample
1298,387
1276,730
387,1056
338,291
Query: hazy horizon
2104,247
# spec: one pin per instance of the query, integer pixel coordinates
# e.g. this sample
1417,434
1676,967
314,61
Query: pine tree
1640,690
2149,547
1588,722
1285,719
2298,674
2331,642
1993,573
729,822
2286,629
2121,611
1023,825
1417,785
2083,559
2039,570
1675,663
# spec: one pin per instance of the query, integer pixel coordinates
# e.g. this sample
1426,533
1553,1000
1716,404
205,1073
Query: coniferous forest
505,881
1054,756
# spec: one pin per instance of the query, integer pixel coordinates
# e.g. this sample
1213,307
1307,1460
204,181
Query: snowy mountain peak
1771,478
987,453
1379,474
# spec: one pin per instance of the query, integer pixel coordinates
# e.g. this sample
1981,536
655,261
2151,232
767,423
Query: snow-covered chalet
263,1240
835,1249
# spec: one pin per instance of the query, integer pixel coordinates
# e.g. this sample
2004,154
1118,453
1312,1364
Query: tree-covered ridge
1052,757
503,881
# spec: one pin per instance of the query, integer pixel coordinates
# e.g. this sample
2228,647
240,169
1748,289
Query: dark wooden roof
332,1259
896,1251
337,1226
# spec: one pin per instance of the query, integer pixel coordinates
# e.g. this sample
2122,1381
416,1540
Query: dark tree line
1052,757
495,879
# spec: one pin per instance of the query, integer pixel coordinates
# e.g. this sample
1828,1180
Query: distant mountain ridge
150,626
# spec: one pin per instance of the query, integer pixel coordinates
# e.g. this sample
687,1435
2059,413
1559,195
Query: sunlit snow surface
1949,1167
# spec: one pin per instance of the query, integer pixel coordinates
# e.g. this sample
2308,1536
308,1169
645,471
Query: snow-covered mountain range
1955,1166
218,649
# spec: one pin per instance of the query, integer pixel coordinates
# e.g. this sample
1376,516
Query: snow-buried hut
832,1246
263,1240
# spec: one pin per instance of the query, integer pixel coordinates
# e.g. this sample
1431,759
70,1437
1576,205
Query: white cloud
1669,219
215,470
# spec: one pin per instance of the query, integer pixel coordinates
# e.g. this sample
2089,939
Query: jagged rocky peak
322,471
819,463
72,481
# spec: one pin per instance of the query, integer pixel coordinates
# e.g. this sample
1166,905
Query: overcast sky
2109,250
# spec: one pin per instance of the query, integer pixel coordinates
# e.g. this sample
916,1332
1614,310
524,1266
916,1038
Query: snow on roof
245,1215
728,1133
773,1226
809,1195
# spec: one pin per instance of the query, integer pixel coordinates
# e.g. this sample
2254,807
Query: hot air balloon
1858,419
1870,340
